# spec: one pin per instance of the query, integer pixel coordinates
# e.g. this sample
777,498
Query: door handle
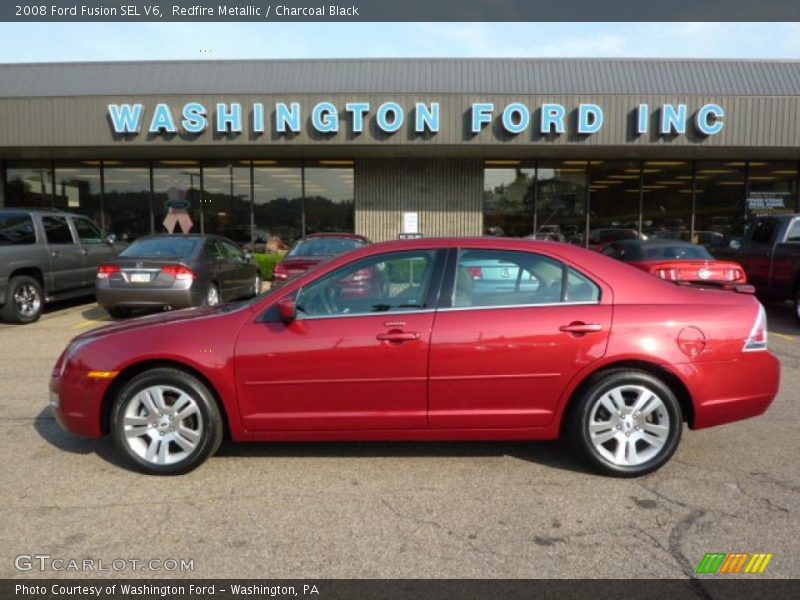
397,336
579,327
55,254
84,251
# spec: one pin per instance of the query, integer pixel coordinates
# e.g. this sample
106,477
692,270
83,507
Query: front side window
88,233
383,283
486,278
16,229
56,230
764,231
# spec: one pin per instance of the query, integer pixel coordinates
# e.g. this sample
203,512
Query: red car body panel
483,373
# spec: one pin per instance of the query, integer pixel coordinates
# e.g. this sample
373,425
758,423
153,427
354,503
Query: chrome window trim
384,313
454,308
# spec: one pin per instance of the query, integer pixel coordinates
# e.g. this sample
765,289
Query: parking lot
391,509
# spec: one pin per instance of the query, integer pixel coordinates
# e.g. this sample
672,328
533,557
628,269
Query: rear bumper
732,391
131,297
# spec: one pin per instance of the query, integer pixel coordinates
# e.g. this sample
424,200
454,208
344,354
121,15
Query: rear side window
763,232
497,278
57,231
16,230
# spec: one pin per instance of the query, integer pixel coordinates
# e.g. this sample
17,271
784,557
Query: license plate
140,277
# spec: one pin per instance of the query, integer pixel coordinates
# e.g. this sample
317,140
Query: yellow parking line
88,323
783,336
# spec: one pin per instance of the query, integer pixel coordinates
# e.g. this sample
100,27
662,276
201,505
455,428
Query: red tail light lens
735,275
669,274
757,340
280,272
475,272
179,272
106,271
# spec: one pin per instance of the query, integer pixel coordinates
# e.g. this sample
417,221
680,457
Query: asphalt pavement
386,510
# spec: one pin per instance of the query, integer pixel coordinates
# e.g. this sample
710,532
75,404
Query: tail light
734,275
669,274
475,272
757,340
106,271
179,272
280,272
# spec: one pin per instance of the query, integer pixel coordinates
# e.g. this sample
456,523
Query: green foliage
400,270
267,263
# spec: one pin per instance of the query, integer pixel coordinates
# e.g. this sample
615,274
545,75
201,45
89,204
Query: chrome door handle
580,327
55,254
397,336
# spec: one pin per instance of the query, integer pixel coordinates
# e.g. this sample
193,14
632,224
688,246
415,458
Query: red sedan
312,250
588,348
678,261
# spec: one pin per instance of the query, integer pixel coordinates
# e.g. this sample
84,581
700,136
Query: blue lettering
552,117
229,119
162,120
673,119
590,118
194,117
516,117
398,116
125,117
642,119
325,118
358,110
426,117
287,118
709,119
481,114
258,117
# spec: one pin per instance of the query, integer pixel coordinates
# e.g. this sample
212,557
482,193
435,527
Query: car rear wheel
212,295
626,423
166,422
257,285
24,300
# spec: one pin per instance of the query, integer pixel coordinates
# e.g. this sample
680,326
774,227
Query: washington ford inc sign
390,117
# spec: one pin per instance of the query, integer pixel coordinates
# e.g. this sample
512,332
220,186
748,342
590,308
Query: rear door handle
397,336
580,327
55,254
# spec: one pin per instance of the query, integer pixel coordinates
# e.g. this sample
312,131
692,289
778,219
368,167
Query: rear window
163,247
676,252
327,246
16,230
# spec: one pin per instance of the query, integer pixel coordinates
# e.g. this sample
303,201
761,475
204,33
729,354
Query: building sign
327,118
411,222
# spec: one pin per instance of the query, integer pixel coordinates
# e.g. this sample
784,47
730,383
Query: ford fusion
455,339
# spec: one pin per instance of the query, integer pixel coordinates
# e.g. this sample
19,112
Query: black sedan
176,271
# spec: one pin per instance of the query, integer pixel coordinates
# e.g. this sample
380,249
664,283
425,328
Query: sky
47,42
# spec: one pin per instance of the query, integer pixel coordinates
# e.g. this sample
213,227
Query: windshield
676,252
324,246
161,247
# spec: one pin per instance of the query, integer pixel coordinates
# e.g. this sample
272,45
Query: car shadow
96,313
58,305
551,454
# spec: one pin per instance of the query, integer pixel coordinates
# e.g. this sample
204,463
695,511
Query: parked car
312,250
600,238
46,255
426,359
769,251
176,271
677,261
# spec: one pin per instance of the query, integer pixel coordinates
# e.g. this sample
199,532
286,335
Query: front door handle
55,254
579,327
397,336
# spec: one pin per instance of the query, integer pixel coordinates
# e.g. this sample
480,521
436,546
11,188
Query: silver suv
46,255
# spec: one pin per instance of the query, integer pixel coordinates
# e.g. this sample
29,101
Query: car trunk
143,273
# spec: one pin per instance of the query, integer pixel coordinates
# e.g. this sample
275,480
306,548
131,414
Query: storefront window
329,193
226,200
561,200
720,200
667,200
29,184
613,201
278,204
178,206
78,189
771,188
126,199
508,198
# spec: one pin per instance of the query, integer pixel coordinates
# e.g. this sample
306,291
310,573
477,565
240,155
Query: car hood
165,318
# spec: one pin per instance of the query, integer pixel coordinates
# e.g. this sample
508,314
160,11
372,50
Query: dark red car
312,250
600,352
677,261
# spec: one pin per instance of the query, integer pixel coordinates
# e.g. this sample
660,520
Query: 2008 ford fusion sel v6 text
483,339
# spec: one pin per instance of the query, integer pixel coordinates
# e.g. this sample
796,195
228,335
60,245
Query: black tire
12,311
210,429
119,312
580,417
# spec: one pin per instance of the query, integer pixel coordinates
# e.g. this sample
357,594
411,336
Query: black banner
398,10
710,588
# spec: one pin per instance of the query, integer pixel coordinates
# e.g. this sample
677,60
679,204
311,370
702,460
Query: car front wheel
166,422
626,423
24,300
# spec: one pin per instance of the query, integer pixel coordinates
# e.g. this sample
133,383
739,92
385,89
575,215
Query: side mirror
735,244
111,239
287,310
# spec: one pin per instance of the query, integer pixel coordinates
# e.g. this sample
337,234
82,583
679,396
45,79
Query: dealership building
686,149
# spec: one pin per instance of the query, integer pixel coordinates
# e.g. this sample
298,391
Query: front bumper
723,392
133,297
77,403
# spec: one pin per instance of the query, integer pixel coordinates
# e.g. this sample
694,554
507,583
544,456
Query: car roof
657,243
40,209
350,236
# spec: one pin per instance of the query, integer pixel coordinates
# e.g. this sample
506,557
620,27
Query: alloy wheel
212,295
163,424
629,425
27,300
